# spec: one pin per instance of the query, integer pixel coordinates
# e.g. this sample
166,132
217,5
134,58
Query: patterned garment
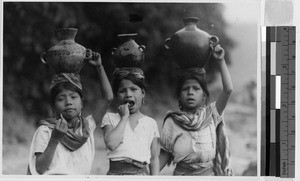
197,139
121,73
183,169
191,123
73,139
66,77
127,167
65,161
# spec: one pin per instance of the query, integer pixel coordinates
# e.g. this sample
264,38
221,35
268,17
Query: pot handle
213,41
42,57
113,51
88,54
142,47
168,43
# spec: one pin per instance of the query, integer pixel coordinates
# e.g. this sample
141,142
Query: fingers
218,48
63,121
62,124
96,59
124,106
124,109
218,52
95,55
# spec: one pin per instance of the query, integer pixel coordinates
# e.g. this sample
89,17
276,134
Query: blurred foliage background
28,30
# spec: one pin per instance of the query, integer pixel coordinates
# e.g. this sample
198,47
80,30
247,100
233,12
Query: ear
143,92
204,99
180,105
81,103
53,110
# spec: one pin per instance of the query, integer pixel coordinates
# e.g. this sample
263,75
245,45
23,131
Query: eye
196,88
74,97
134,89
185,88
59,99
121,90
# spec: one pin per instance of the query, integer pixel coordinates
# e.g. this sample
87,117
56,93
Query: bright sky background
242,11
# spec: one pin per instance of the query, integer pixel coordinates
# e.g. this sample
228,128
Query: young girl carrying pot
194,138
64,144
130,136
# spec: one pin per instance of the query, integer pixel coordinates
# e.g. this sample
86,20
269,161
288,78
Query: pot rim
127,34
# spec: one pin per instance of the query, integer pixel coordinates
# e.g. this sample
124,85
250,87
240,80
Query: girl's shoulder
112,116
110,119
43,128
148,119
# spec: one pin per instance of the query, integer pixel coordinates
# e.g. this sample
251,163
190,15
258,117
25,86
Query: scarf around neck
71,140
195,122
199,122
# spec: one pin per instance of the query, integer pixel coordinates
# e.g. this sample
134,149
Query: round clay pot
128,53
66,56
190,46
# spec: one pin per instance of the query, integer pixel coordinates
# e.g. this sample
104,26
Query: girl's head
66,95
129,87
192,91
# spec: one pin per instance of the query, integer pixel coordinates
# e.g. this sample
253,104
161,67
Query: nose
128,94
190,91
68,101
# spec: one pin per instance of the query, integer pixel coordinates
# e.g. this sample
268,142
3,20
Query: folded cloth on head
66,77
121,73
195,71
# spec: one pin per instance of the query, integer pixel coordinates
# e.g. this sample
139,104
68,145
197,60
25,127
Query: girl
130,136
194,138
64,144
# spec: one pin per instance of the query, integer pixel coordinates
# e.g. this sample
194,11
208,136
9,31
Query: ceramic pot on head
128,53
190,46
66,56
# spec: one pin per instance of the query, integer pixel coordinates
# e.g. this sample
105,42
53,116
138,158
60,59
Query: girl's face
68,103
130,93
191,96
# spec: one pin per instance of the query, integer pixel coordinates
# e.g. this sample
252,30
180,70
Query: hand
218,52
60,129
124,110
96,59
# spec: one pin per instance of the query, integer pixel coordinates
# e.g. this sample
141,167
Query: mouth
131,103
190,100
68,110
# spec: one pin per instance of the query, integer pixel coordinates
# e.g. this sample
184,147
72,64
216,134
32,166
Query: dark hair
137,81
60,87
201,79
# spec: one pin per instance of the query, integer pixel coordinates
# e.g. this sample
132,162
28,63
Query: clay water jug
128,53
66,56
191,46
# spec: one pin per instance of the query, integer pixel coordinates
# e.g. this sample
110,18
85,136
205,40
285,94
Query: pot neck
66,33
127,37
190,21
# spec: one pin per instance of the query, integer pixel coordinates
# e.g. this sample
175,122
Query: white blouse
136,144
64,162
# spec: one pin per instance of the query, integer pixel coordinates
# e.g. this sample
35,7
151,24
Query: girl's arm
163,158
154,161
218,55
106,95
113,136
43,160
